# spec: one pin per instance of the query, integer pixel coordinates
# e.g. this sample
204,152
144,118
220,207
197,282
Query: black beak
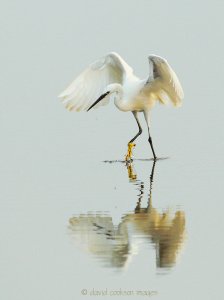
98,100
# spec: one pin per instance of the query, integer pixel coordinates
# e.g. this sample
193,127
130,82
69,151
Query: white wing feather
92,82
163,82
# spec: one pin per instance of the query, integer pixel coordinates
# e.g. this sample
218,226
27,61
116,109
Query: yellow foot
129,153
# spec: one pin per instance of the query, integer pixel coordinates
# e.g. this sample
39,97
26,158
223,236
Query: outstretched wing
92,82
163,82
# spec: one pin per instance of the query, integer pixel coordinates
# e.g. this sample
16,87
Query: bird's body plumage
111,78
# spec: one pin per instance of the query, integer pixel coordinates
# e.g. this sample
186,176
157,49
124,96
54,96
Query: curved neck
116,91
121,104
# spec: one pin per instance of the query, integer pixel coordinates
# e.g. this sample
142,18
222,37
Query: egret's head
114,90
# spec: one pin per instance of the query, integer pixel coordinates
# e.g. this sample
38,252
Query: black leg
151,144
139,127
146,115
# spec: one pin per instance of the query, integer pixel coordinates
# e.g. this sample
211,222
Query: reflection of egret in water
165,230
115,245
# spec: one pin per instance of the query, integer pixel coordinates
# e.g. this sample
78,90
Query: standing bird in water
111,78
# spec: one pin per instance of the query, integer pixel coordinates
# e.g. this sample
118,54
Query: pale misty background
51,160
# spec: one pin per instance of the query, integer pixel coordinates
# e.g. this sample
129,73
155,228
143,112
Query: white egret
111,78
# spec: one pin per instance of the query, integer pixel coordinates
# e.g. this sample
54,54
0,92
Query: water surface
115,244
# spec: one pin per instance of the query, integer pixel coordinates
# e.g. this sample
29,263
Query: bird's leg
131,144
151,144
146,114
128,156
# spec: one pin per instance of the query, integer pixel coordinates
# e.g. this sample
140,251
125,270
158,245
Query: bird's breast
132,98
